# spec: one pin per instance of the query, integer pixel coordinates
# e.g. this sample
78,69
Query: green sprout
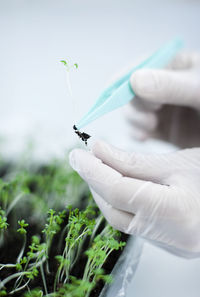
3,293
68,67
64,62
34,293
3,220
23,225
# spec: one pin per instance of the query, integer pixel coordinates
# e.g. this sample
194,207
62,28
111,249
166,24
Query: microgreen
23,226
68,65
3,220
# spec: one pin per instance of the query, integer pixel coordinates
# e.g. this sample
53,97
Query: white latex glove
167,102
153,196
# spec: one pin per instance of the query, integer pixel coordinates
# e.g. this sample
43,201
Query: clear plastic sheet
124,269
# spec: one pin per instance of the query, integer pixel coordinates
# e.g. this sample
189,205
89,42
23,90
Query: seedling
69,67
82,135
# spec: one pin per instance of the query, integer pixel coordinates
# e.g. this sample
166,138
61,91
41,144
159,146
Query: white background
103,37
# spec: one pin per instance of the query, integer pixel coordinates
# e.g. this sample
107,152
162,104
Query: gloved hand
153,196
167,102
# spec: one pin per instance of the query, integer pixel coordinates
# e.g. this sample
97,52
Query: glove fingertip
73,157
77,158
145,82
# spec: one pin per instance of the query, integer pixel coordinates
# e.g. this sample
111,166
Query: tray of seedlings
53,239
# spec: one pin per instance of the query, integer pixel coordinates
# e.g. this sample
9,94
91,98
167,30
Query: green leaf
64,62
18,267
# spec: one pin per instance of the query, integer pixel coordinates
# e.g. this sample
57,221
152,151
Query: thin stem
1,238
2,266
98,222
14,202
43,279
37,264
57,277
20,278
78,251
9,278
22,249
20,288
61,237
105,231
69,84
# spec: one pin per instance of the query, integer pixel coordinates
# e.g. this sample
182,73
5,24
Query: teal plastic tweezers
120,92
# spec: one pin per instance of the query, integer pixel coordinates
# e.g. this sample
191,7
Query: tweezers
120,92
